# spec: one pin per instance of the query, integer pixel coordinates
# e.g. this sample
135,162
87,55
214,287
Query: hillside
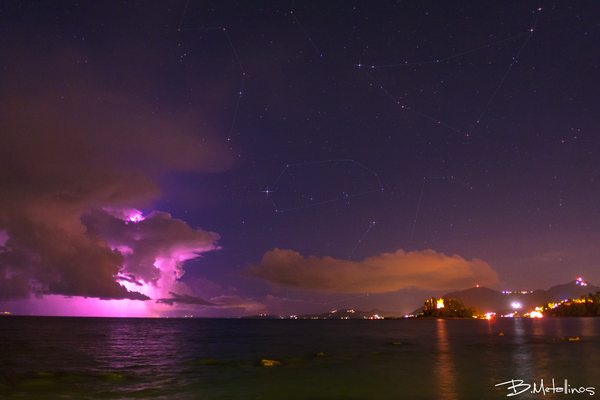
489,300
349,314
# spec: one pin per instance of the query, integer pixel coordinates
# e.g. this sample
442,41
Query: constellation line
515,60
421,197
234,52
184,11
237,105
300,25
347,196
409,108
371,224
240,92
503,78
451,57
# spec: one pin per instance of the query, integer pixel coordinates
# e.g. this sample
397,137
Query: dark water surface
110,358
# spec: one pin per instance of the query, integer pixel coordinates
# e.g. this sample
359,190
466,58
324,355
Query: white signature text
518,386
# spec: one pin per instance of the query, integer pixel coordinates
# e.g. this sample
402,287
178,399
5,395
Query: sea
138,358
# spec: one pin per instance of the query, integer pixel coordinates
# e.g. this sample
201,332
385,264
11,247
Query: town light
536,314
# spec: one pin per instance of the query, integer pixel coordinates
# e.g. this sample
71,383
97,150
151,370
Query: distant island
576,298
335,314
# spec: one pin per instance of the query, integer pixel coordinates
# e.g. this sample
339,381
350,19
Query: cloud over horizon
78,154
184,299
386,272
223,301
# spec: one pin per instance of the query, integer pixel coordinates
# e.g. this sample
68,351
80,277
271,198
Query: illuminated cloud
78,155
151,247
387,272
203,286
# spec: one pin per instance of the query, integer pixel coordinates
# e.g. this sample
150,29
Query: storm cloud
387,272
78,156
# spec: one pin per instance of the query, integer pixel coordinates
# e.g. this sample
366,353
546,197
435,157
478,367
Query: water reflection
541,346
588,362
538,327
445,370
587,327
216,359
522,353
557,326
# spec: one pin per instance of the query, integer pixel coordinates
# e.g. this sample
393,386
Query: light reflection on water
521,353
42,357
445,370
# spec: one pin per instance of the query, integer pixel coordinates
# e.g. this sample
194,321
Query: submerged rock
269,363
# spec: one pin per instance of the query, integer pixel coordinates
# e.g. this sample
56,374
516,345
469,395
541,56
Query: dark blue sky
490,153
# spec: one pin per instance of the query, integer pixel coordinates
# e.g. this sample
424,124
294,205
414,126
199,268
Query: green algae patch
113,377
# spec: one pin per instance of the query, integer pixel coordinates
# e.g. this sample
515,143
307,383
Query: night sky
289,157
